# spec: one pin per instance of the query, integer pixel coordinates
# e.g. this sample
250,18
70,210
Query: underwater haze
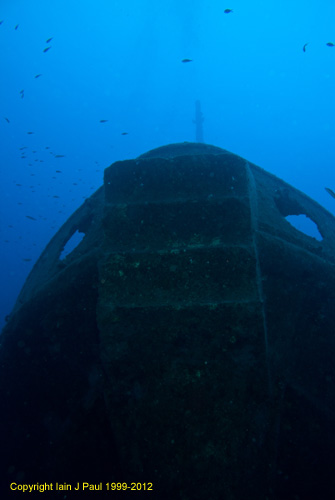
84,84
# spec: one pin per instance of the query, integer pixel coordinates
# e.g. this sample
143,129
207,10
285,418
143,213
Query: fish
1,22
304,47
22,93
103,121
48,40
26,260
228,11
59,156
29,133
37,76
58,171
330,44
6,119
331,192
186,60
16,27
30,217
46,49
124,133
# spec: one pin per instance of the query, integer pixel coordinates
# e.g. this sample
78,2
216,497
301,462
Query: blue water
262,97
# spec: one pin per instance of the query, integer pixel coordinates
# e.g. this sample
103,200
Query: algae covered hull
187,341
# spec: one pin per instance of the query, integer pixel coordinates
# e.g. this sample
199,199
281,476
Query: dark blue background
263,98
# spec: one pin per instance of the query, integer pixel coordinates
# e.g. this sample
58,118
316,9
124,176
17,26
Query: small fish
228,11
58,171
59,156
30,217
1,22
48,40
6,119
26,260
37,76
23,147
103,121
16,27
29,133
47,147
304,47
22,93
46,49
55,196
330,44
331,192
124,133
186,60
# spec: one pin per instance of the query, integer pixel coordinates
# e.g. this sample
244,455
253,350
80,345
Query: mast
199,135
